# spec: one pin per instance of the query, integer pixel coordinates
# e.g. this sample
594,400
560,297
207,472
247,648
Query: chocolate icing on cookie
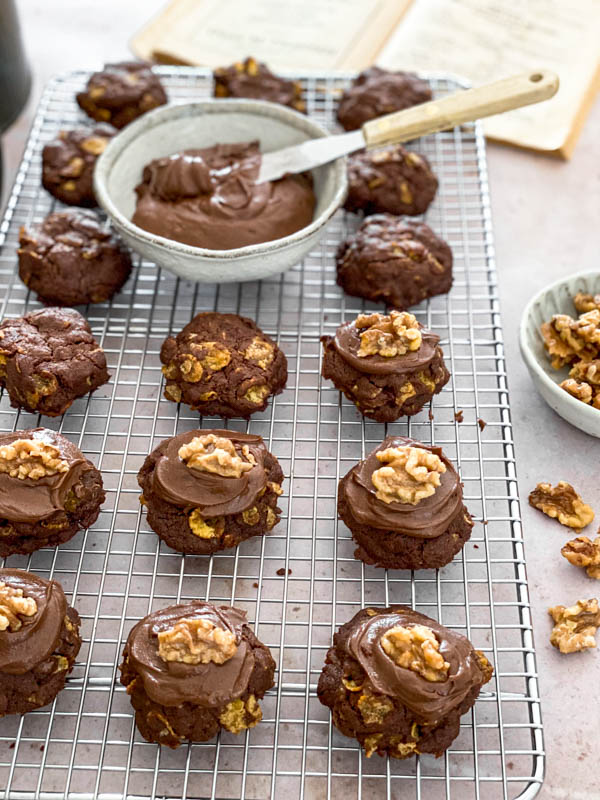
213,494
426,520
347,342
31,500
209,198
173,683
39,635
429,701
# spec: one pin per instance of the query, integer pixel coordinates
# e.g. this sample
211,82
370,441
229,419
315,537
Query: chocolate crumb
42,748
281,571
476,546
431,417
11,746
458,416
255,584
482,423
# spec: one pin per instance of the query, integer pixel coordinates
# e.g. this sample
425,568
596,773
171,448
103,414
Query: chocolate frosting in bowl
31,500
209,198
39,635
214,495
347,342
430,701
173,683
429,518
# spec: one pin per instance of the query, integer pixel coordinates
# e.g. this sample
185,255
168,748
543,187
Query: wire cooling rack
300,583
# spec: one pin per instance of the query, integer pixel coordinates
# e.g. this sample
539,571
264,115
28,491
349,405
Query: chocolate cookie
207,490
121,92
48,491
389,366
376,92
404,506
251,78
68,163
399,682
392,180
223,365
394,261
71,259
194,669
48,358
39,641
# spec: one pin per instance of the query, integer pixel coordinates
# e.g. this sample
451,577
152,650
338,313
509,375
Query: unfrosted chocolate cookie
48,491
39,641
253,79
68,163
48,358
391,180
194,669
71,259
399,682
394,261
224,365
404,506
207,490
121,92
376,92
389,366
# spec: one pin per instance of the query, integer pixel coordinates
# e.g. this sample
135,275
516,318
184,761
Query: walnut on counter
575,626
585,553
216,454
562,502
31,458
13,606
416,648
196,641
409,474
388,335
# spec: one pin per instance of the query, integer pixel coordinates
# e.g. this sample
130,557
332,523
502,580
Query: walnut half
196,641
418,649
575,626
585,553
388,335
409,474
13,606
31,458
562,502
216,454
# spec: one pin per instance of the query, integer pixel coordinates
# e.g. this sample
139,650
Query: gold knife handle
464,106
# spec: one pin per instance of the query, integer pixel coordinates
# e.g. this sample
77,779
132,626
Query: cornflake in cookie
253,79
389,366
207,490
392,180
376,92
121,92
399,682
194,669
404,506
394,261
68,163
71,259
224,365
48,491
39,641
49,358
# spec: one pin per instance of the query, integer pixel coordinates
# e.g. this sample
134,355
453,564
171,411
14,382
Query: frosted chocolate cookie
194,669
253,79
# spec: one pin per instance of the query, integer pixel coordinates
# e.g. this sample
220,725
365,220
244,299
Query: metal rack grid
85,745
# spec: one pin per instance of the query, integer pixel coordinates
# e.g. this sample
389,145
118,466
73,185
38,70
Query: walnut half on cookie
207,490
224,365
223,670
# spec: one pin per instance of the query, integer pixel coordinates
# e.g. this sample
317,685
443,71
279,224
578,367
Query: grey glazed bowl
557,299
180,126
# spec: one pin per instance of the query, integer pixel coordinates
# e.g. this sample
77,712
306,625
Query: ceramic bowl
557,299
181,126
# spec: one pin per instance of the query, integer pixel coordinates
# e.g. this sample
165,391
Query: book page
301,35
484,40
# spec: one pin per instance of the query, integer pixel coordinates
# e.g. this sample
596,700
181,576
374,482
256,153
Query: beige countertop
546,217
